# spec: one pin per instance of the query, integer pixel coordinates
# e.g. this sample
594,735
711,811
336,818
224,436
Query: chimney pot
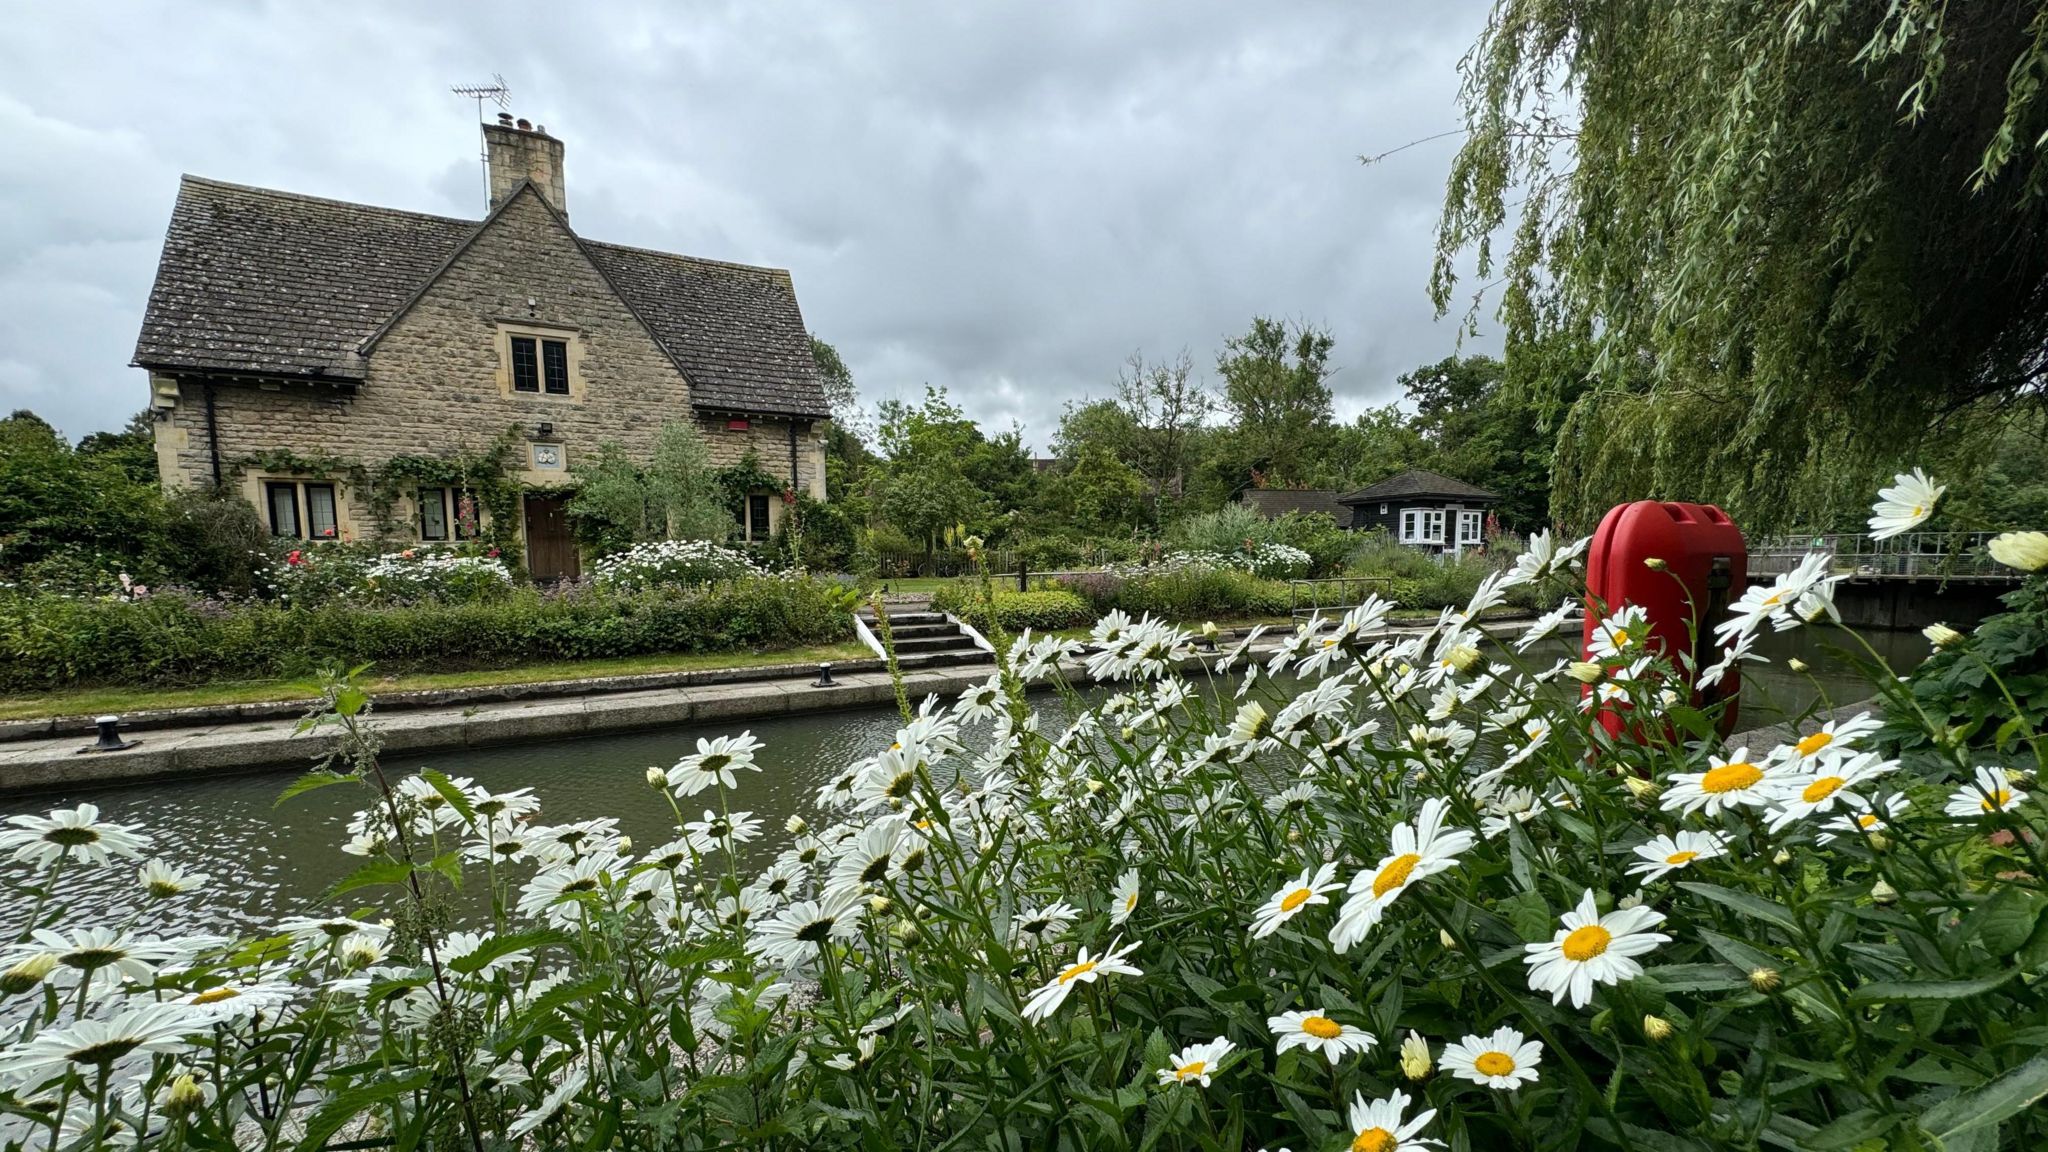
505,118
523,124
516,153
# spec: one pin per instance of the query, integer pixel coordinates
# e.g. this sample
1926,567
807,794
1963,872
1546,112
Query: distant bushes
1042,611
1418,579
49,641
1186,594
1235,528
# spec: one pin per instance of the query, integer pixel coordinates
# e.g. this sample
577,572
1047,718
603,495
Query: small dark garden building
1423,510
1273,503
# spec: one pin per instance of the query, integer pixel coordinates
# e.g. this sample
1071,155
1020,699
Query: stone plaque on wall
547,457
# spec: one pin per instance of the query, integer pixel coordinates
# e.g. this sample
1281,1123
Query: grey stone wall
439,380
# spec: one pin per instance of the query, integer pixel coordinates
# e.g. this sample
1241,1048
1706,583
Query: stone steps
926,639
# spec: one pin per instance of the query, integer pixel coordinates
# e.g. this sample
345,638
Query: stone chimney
516,151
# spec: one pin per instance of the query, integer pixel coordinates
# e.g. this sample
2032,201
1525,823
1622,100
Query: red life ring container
1705,566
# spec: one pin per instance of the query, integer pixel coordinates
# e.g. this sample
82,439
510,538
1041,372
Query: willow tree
1783,243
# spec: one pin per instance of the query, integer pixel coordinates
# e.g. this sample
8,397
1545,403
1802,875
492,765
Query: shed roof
1273,503
1418,482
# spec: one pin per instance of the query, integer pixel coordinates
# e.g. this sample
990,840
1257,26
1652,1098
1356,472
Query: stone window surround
449,495
256,490
502,333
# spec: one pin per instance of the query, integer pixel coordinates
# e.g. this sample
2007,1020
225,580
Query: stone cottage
311,354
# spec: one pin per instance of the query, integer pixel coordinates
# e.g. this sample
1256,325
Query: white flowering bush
1260,558
1357,890
421,573
672,563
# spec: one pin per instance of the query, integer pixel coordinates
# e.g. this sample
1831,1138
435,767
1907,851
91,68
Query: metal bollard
110,736
824,679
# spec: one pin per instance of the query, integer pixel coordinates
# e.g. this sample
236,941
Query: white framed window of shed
1471,526
1422,526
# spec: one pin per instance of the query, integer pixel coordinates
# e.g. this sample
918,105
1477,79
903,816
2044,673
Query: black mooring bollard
110,736
824,679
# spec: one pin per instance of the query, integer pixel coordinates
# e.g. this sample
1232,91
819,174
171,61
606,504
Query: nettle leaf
1755,907
1528,913
1850,1130
450,793
1889,991
374,874
311,781
2000,1099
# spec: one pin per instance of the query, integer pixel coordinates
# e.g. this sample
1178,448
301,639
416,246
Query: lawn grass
920,584
95,701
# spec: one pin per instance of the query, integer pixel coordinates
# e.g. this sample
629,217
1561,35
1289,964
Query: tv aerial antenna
497,93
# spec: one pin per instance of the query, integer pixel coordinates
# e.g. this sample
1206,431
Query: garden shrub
671,564
51,641
1045,611
1403,897
1185,593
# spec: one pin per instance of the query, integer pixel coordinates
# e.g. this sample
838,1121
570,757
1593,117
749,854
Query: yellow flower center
1322,1027
1731,777
1919,510
1295,899
1330,643
1494,1063
1621,637
1078,970
1685,857
1867,820
1191,1070
1997,800
1821,789
1814,743
1373,1140
215,996
1395,873
1130,901
1585,943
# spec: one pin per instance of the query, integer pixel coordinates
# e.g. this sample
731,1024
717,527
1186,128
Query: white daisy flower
1991,791
714,762
1043,923
1196,1062
163,880
1294,798
1825,784
556,892
721,831
1860,824
1725,784
1123,899
1506,1059
1251,725
1084,970
1621,636
102,956
1668,853
1288,902
69,834
792,937
1834,739
1592,949
320,931
1317,1032
97,1044
1547,625
1421,849
1905,505
236,1001
1376,1125
981,701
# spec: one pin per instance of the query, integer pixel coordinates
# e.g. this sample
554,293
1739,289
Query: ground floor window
754,518
301,509
449,513
1470,525
1422,526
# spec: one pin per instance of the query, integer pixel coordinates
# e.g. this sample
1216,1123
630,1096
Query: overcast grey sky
1003,198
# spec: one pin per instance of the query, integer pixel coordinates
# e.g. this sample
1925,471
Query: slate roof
1418,482
1273,503
258,282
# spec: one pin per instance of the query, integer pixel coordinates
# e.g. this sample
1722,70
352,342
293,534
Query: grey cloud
1005,199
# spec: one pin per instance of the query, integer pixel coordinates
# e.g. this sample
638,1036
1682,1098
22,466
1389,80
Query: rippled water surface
268,860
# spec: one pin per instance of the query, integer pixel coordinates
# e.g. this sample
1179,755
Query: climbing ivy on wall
747,476
487,474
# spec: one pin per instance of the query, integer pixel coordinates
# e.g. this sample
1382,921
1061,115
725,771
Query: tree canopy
1783,242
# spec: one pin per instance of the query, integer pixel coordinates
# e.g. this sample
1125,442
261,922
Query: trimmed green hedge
1043,611
53,641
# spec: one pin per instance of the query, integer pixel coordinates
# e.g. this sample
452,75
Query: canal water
266,859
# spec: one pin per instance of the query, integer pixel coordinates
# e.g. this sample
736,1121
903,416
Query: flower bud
1883,893
656,778
1878,842
880,905
1765,979
1584,671
1654,563
1463,657
1941,635
1415,1063
2026,551
1094,785
183,1096
1657,1028
27,973
1642,788
1781,858
1796,664
1444,937
625,844
1293,834
795,826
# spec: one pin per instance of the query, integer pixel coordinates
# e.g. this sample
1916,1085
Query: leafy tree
1100,495
76,516
677,495
1485,432
923,497
1276,392
1166,406
1784,241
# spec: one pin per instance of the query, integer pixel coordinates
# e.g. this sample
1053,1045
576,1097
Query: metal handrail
1313,590
1932,554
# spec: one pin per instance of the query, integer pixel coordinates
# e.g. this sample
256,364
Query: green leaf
1887,991
2005,1097
309,782
1755,907
371,875
1697,978
450,793
498,946
2005,921
1850,1129
349,1103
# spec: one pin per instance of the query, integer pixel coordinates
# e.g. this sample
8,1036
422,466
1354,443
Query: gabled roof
1418,482
265,283
1273,503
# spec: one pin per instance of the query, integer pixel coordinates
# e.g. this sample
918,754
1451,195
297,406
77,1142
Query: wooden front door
550,547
